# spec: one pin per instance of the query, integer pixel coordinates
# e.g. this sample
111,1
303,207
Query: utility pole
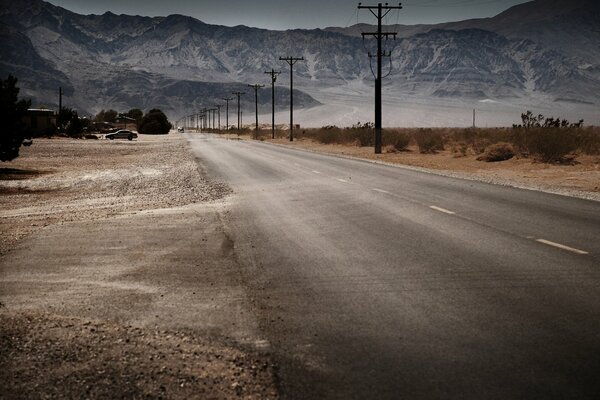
291,61
256,87
219,114
473,118
273,74
60,93
382,11
238,94
213,115
227,99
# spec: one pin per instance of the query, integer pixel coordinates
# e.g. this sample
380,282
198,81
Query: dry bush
551,144
429,141
589,140
397,139
497,152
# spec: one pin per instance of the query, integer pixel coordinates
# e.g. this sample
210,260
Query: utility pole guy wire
380,14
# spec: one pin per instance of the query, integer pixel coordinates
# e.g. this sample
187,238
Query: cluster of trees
14,130
154,122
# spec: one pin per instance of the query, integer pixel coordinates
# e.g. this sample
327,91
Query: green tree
136,114
155,122
109,116
70,122
12,112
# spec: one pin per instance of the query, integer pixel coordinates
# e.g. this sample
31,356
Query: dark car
122,134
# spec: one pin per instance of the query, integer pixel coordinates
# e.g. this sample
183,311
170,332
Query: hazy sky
286,14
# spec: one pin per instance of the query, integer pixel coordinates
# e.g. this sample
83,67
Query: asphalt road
372,281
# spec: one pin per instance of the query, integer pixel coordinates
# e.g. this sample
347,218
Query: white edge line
561,246
442,210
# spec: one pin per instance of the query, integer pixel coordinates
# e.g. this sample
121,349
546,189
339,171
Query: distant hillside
542,52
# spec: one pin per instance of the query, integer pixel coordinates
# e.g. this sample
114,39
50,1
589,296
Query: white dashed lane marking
440,209
342,180
316,172
380,191
561,246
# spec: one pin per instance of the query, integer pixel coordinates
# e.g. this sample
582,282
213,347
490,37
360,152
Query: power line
291,61
381,12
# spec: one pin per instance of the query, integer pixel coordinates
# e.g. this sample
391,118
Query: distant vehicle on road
122,134
180,129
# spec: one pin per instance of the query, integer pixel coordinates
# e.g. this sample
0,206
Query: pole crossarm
291,61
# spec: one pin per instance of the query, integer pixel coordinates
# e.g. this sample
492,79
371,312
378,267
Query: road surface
373,281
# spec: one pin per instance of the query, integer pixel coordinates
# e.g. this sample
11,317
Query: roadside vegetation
543,139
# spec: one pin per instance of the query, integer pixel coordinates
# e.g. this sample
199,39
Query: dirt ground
103,323
581,179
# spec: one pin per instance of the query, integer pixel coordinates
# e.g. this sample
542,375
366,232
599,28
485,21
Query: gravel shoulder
118,280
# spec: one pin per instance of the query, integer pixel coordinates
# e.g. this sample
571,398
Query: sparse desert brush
429,141
551,144
397,139
329,135
588,140
497,152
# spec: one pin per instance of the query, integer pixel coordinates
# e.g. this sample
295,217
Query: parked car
122,134
180,129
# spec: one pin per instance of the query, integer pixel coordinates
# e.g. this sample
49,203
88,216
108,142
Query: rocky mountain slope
182,64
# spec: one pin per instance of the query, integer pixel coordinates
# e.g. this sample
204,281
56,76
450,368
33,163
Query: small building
40,121
124,122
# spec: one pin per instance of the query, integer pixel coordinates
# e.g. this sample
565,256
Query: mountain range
541,55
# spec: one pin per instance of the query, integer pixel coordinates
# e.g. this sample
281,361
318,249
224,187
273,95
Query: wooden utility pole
273,74
227,100
291,61
219,115
256,87
382,11
238,94
58,120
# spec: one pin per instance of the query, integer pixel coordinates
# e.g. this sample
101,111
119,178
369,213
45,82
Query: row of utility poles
202,118
380,11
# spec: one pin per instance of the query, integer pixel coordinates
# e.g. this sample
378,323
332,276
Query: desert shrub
551,144
329,135
428,141
588,140
397,139
362,134
497,152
